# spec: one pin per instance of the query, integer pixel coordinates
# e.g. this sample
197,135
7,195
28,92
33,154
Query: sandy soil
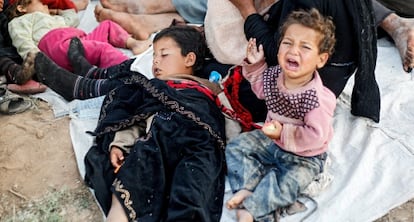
40,180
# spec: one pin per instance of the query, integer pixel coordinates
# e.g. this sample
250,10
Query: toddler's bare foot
102,13
138,46
244,216
81,4
402,32
235,201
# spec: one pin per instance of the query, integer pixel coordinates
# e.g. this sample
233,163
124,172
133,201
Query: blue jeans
275,177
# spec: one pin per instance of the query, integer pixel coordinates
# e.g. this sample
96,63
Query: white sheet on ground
372,164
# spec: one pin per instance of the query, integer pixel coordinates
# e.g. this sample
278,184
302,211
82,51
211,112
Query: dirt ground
39,179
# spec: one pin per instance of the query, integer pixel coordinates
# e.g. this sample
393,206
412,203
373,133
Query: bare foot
139,7
138,46
81,4
102,13
116,5
235,201
402,32
139,26
244,216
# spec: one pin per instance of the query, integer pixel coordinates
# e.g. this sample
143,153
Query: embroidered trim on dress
126,196
173,105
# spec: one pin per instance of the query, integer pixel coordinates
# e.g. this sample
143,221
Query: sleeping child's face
168,60
34,6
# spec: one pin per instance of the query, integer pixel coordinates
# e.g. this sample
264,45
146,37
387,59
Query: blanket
371,163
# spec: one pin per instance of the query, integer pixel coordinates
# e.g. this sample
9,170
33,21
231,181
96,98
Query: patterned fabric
232,89
181,157
294,106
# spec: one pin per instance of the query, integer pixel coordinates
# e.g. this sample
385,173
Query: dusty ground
40,180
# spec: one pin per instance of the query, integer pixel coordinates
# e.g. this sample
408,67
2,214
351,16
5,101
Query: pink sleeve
254,74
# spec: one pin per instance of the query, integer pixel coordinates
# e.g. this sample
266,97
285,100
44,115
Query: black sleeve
256,27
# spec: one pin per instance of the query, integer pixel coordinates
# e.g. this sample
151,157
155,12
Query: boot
52,75
69,85
76,55
80,64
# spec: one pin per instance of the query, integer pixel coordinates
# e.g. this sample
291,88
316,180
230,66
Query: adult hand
1,5
246,7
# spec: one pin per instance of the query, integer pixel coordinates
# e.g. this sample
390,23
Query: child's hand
272,129
117,157
254,54
1,5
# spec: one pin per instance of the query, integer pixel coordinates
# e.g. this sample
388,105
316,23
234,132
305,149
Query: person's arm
21,32
245,7
256,27
70,16
125,139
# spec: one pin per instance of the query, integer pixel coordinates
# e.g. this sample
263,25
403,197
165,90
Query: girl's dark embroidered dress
175,172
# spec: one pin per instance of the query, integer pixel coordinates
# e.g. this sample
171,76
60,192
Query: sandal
3,80
30,87
11,103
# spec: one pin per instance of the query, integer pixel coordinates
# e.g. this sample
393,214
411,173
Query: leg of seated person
139,6
116,213
401,31
139,26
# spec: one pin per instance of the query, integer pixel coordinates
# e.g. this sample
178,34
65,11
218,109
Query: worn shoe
77,59
11,103
30,87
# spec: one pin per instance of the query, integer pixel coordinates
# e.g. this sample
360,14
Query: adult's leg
140,6
139,26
